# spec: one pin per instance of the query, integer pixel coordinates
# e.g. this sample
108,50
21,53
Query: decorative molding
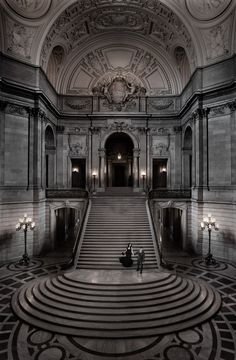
118,92
206,9
77,145
60,129
19,39
30,9
16,110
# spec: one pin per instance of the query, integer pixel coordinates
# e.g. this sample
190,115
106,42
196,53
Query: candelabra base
209,260
25,260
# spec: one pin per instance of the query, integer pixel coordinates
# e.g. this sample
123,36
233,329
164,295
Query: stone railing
66,193
170,194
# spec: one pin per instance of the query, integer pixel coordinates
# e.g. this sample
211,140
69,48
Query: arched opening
187,158
119,160
182,64
54,64
50,151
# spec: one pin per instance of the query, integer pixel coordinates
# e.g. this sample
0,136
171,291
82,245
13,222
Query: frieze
120,126
78,105
159,104
220,110
16,110
232,105
160,131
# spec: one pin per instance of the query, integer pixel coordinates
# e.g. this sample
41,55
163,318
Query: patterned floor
215,339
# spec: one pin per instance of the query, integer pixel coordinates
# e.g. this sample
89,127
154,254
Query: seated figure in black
126,260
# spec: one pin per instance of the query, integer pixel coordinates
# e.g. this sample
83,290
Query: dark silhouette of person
126,260
140,260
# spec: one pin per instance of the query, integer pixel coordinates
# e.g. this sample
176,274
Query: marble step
64,304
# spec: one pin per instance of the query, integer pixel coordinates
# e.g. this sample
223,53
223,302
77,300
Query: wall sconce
94,174
209,223
143,174
25,223
163,169
119,156
75,169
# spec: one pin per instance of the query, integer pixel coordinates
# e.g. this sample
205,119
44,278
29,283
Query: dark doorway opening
78,178
119,176
159,173
65,229
172,230
119,160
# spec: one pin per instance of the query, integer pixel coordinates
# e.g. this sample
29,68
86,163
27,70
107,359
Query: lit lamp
25,223
143,176
75,169
119,156
209,223
94,179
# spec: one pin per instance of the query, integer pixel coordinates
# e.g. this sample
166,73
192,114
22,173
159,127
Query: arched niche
187,158
50,155
54,64
182,63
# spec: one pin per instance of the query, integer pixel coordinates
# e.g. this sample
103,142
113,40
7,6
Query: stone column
102,155
136,168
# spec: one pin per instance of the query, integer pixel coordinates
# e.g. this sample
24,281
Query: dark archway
119,160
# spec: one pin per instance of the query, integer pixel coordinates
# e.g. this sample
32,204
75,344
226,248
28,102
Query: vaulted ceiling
156,44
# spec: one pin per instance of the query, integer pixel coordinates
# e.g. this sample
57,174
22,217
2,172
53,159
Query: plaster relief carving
118,92
77,145
160,145
20,39
16,110
217,41
82,104
31,9
159,104
206,9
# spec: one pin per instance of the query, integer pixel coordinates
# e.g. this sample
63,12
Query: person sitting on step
126,260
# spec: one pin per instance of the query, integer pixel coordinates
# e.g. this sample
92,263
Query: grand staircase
114,221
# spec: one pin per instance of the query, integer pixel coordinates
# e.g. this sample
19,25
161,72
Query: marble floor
214,339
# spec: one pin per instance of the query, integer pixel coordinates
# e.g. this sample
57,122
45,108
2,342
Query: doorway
119,160
65,226
78,177
172,233
159,173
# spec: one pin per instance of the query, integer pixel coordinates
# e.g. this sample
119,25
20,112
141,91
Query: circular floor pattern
110,305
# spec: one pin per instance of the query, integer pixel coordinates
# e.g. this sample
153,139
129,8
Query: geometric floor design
214,339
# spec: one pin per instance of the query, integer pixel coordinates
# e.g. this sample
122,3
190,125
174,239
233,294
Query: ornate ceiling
84,44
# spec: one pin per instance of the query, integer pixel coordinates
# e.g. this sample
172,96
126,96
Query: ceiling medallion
30,9
118,92
206,9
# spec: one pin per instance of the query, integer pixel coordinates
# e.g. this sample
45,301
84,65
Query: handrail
78,236
154,230
163,263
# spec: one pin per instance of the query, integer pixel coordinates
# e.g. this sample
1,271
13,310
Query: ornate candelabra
209,223
25,223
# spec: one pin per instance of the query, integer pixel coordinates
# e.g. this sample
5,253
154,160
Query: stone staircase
114,221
